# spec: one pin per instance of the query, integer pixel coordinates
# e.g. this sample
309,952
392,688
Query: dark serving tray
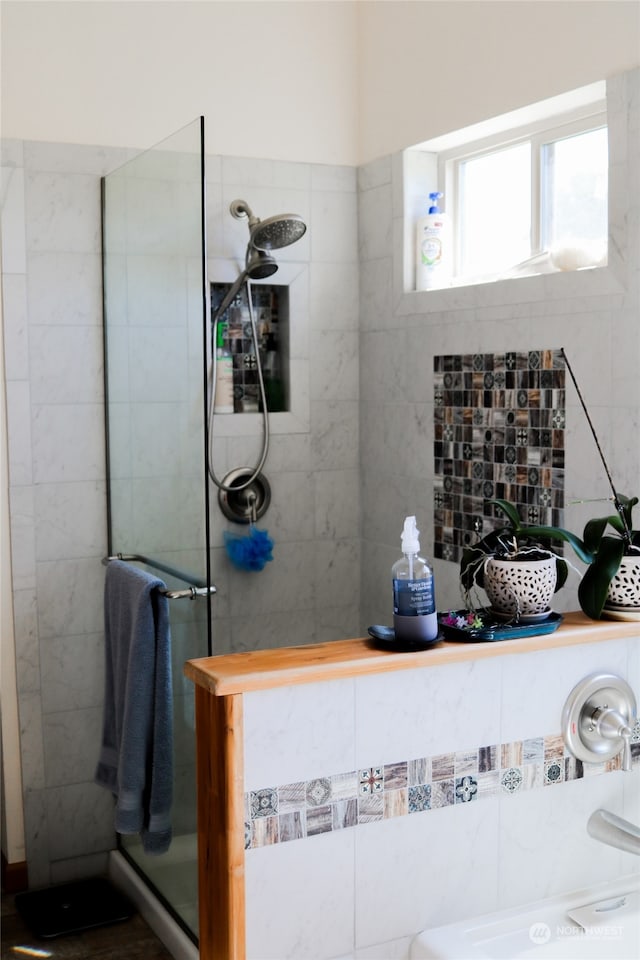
493,629
384,638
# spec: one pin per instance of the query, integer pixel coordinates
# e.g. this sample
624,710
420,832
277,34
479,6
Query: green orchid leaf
592,591
510,513
559,533
563,572
593,533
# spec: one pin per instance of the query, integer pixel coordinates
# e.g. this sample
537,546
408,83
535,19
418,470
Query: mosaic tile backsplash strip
498,433
298,810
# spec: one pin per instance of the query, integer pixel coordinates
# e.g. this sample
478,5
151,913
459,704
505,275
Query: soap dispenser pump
414,609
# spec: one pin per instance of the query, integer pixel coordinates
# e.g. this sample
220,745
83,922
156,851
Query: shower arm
242,279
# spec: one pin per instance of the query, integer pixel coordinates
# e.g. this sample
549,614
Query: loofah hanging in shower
250,552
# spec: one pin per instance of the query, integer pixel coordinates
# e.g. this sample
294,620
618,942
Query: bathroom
329,152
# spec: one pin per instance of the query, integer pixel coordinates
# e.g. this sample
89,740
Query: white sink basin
556,929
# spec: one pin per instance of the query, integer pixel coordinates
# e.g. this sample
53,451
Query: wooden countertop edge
339,659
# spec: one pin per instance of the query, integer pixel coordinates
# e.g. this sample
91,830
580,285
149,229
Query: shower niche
235,352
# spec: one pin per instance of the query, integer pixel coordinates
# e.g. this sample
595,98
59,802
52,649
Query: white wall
274,80
12,819
327,82
428,68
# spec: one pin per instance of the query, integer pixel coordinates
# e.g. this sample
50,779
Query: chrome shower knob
598,719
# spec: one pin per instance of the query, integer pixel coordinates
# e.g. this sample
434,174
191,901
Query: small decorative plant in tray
481,625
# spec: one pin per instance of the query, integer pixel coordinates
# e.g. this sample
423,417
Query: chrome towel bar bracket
192,592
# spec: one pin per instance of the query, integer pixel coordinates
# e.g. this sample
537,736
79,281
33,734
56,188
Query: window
525,192
574,188
494,210
538,195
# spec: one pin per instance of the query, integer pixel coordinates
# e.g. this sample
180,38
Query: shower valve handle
611,725
598,719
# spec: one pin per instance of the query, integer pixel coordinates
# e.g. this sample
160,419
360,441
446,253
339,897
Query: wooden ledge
263,669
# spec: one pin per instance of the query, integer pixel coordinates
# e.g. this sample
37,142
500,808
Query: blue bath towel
136,757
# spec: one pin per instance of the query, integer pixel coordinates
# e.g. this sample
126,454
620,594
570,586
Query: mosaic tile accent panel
295,811
499,432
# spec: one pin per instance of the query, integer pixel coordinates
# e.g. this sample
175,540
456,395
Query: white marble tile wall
423,869
53,319
592,314
53,325
318,891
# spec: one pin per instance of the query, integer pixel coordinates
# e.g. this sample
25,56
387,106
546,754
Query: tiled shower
54,356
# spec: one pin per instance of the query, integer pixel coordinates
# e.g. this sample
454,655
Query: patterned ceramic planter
521,587
624,589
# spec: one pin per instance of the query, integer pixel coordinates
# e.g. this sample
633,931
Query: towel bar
192,591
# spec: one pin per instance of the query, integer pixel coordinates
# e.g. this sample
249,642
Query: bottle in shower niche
223,398
414,606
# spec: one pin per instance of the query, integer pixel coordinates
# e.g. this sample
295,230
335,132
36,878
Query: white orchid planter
624,589
521,588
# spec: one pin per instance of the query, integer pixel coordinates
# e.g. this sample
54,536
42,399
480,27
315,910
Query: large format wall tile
297,733
62,213
319,893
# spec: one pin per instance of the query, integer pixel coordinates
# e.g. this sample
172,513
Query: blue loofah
250,552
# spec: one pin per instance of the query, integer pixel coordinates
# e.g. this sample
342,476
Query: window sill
524,288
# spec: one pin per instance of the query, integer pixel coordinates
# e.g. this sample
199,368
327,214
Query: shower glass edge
155,308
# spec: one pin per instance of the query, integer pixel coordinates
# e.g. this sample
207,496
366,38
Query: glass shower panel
155,311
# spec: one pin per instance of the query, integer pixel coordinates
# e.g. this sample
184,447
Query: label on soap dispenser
413,598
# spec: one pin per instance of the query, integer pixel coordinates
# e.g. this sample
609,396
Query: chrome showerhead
272,233
276,232
260,265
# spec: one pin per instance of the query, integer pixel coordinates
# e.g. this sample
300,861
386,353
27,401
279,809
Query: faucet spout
614,831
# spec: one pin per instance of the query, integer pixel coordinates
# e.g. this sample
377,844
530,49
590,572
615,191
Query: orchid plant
516,541
604,551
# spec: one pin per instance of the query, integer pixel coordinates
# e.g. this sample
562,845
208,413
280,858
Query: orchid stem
626,536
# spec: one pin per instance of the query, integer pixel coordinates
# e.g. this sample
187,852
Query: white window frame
539,133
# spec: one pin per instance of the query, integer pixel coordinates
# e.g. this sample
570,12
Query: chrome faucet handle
598,718
608,723
626,750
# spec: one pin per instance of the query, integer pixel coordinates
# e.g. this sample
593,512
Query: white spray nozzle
410,534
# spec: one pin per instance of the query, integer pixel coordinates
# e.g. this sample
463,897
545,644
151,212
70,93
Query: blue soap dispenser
414,608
